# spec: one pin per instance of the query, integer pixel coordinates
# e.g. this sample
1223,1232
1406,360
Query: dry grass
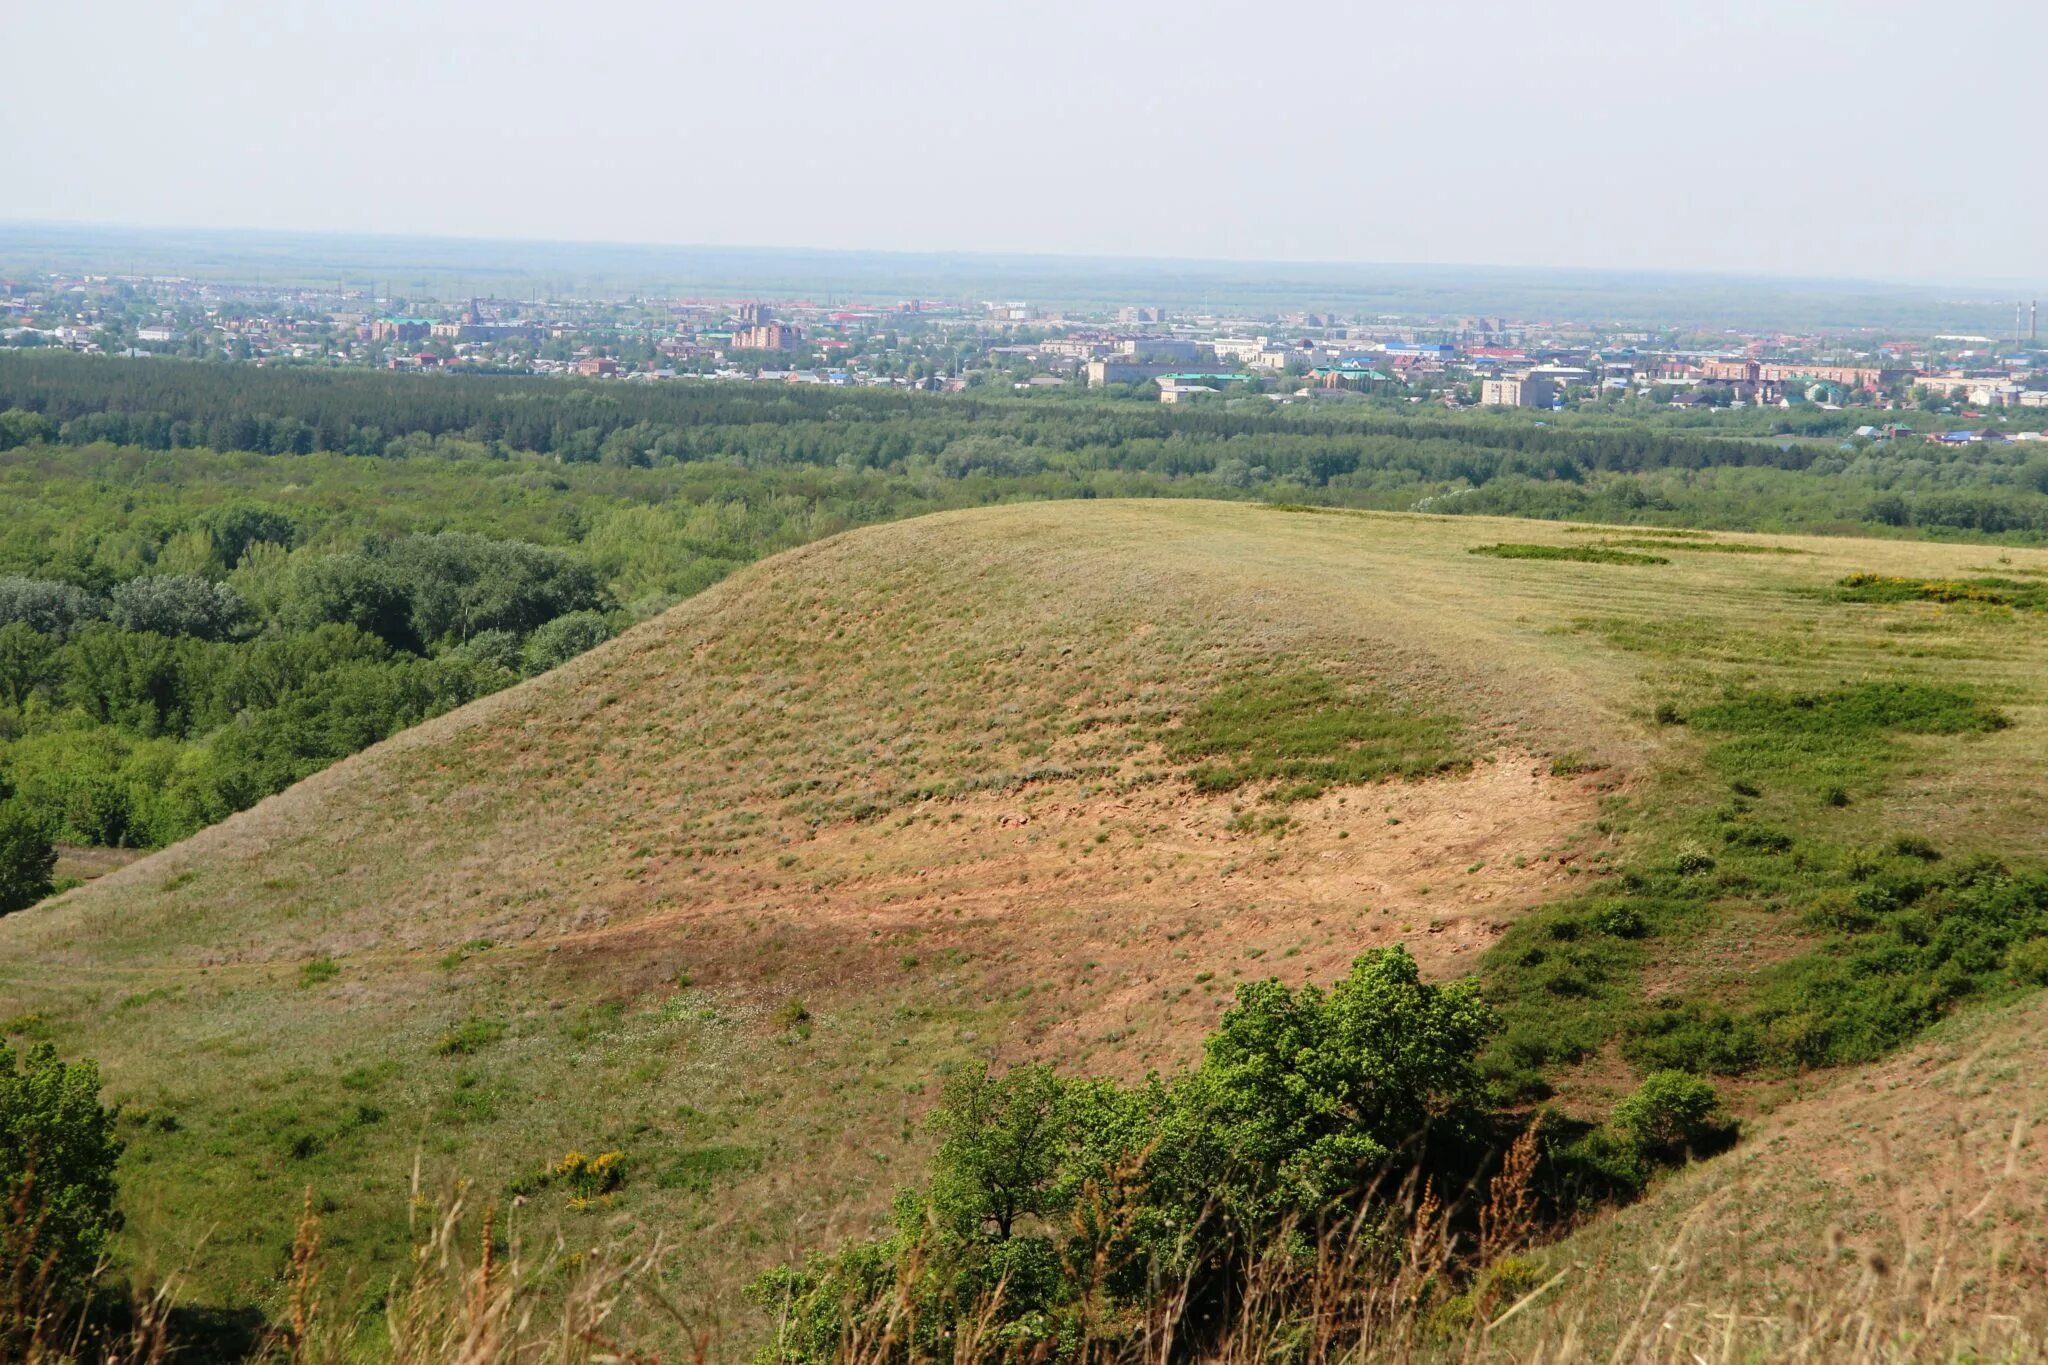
911,776
1914,1285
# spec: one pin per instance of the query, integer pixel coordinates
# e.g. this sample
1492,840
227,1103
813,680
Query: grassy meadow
729,894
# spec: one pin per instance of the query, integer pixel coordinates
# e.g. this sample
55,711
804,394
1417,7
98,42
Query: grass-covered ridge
733,895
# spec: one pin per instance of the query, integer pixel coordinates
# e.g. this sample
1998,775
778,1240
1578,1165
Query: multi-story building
1730,371
1520,391
1869,377
400,329
767,336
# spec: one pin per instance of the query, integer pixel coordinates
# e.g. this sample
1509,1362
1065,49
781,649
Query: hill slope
726,894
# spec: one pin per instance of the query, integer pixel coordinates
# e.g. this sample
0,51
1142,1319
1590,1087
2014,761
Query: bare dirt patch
1120,922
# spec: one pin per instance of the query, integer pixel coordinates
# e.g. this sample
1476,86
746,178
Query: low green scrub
1891,943
1989,591
1712,547
471,1035
1839,740
1581,554
1903,947
1304,732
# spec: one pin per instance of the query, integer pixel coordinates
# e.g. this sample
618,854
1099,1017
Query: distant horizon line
1988,289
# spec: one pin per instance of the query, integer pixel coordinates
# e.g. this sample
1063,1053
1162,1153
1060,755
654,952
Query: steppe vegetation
733,896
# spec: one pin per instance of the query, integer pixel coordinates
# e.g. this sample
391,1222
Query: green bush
1075,1195
57,1157
1671,1116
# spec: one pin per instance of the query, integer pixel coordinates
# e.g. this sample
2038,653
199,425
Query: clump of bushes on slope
1345,1129
27,859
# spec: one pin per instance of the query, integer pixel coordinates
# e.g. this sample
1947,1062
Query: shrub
27,858
1621,921
2028,961
588,1177
1671,1116
57,1156
472,1035
792,1016
1915,846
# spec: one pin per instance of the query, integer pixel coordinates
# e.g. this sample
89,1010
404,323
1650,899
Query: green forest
215,580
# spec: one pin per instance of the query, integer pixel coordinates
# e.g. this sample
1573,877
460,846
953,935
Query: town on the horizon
1134,351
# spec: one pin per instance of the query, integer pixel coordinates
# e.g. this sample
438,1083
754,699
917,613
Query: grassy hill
728,894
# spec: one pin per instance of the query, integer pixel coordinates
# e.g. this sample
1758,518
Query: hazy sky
1828,137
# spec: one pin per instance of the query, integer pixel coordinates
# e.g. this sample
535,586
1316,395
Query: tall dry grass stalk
1952,1278
474,1302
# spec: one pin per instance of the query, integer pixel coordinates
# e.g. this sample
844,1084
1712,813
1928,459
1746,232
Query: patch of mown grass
1581,554
1313,509
1692,637
1989,591
1303,731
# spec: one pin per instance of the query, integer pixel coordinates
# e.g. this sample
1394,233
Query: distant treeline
1606,464
165,405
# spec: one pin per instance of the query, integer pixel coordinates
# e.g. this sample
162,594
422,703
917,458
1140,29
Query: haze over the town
1874,140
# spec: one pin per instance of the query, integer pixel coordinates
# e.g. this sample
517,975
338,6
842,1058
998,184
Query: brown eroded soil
1134,914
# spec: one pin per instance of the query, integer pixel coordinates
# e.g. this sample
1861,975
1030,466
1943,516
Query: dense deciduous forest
216,579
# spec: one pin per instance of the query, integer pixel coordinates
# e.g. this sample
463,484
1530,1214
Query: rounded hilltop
1044,781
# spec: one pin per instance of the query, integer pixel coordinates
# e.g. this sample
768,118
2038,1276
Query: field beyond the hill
728,894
